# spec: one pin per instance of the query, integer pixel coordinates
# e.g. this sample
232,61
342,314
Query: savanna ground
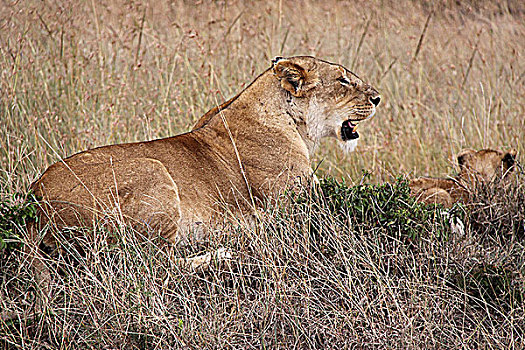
357,266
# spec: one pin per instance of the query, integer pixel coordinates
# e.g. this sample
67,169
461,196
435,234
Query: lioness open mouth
348,131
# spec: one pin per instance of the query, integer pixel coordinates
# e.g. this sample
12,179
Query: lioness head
327,97
486,164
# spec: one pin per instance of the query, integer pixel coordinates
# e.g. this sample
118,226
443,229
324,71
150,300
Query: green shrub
15,212
388,207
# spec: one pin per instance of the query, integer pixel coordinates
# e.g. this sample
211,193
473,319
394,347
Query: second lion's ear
291,75
462,157
509,159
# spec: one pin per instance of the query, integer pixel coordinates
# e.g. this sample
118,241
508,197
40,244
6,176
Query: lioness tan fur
252,146
475,167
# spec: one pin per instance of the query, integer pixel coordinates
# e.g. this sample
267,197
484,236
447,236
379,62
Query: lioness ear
463,155
291,75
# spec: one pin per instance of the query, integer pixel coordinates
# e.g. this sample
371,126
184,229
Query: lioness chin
254,145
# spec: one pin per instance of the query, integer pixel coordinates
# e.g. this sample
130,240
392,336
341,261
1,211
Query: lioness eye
344,81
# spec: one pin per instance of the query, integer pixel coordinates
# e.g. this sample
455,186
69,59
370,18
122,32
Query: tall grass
358,266
75,75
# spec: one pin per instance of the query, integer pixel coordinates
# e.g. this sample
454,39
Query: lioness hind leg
148,198
138,191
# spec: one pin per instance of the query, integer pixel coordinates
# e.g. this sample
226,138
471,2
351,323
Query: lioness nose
375,100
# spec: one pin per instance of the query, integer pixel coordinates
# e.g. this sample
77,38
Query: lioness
475,167
251,146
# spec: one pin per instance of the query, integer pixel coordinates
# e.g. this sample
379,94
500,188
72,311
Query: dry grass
318,274
75,75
